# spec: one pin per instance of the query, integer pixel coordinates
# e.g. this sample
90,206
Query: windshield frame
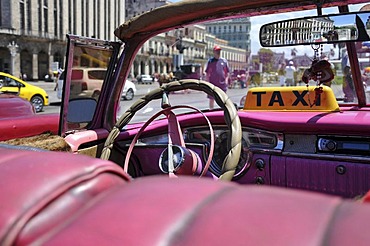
134,38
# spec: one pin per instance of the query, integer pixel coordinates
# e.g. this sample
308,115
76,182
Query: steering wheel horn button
184,161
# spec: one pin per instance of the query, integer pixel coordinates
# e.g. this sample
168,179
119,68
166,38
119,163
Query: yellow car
36,95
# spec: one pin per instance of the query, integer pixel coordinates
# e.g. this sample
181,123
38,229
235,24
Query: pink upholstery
193,211
28,125
40,190
65,199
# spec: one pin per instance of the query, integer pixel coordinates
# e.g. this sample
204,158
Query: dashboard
328,163
198,139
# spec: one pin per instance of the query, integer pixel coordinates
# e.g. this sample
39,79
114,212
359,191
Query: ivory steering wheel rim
230,113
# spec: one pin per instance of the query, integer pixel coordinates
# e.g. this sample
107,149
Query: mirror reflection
317,30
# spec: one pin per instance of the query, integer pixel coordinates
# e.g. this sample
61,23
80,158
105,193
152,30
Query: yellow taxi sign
292,98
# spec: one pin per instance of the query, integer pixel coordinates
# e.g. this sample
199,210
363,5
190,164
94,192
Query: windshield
186,53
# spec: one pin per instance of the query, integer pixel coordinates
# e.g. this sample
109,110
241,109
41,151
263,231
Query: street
194,98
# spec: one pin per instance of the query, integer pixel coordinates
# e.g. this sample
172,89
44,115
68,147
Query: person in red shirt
217,72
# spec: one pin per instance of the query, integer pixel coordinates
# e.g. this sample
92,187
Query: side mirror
81,110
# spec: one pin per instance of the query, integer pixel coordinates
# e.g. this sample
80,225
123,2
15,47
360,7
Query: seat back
42,190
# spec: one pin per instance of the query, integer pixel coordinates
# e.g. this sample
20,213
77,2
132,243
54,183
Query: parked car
290,168
36,95
18,119
145,79
12,106
188,71
87,82
129,90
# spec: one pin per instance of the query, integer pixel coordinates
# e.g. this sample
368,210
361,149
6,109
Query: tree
266,57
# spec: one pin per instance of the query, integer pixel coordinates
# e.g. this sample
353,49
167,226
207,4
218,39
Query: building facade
137,7
235,31
193,44
33,36
33,32
166,52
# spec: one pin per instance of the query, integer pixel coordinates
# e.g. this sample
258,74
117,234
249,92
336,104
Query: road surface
193,98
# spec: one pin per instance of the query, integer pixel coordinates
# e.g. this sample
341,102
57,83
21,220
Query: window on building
74,17
109,20
29,15
70,17
87,27
105,21
22,13
61,14
94,20
55,19
40,16
46,18
83,18
117,13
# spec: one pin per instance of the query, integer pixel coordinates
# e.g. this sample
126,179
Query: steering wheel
230,113
176,159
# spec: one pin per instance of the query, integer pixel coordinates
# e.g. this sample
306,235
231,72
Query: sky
257,22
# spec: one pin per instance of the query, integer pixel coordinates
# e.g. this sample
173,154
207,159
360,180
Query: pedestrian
366,76
217,72
289,74
281,74
55,77
347,86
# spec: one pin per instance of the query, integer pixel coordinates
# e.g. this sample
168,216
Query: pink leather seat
63,199
43,190
193,211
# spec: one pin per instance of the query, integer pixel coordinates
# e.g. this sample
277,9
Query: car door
79,113
11,86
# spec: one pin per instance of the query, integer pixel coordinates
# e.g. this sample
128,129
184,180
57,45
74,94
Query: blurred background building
33,36
33,32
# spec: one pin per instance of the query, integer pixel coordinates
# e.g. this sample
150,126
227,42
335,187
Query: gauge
221,150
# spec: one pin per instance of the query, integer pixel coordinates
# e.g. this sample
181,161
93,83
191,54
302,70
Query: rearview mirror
324,29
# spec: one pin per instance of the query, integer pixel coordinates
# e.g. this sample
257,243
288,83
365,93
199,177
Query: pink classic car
18,119
291,167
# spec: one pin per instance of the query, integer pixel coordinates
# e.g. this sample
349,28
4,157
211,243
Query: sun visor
190,11
293,98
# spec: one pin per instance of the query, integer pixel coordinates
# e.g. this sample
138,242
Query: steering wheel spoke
174,130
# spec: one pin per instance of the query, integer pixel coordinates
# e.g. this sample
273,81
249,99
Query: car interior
289,167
